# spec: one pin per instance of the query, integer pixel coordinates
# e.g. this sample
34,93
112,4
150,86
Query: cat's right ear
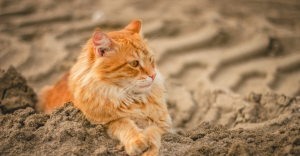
102,43
135,26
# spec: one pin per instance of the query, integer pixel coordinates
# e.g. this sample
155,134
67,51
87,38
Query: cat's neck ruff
90,88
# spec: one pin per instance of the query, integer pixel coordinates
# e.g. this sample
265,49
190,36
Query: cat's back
54,96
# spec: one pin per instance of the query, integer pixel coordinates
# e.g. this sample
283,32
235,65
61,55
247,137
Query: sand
232,70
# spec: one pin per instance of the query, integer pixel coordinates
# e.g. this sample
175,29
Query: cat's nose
153,76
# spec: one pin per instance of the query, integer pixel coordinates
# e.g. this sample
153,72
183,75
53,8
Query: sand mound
15,92
66,131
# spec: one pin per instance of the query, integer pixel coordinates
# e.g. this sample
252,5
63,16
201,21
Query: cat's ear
102,42
135,26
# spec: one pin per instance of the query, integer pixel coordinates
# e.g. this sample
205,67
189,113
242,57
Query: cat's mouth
145,86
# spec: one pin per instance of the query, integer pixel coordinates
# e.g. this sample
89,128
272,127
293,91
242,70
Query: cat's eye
134,63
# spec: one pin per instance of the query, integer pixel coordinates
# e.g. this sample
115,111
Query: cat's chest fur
145,110
143,106
148,115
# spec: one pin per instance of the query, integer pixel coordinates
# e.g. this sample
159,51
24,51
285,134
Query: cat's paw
151,152
137,145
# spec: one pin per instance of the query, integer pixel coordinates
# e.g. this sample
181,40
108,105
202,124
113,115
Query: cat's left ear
135,26
102,42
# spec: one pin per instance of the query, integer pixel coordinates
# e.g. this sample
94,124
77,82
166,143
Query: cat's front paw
138,144
151,152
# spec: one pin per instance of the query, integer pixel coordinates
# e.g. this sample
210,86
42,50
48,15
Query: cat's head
123,58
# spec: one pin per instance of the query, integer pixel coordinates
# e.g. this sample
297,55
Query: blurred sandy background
213,53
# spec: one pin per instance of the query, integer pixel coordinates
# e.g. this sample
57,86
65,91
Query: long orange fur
109,90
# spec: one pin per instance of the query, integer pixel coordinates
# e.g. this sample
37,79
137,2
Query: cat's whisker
132,86
122,90
126,88
152,38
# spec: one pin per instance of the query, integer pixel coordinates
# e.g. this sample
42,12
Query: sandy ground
229,62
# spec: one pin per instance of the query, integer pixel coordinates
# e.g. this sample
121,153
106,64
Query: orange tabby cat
115,82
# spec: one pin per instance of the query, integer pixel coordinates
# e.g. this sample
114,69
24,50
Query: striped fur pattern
115,82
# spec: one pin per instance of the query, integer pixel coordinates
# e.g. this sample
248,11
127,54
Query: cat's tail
42,99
